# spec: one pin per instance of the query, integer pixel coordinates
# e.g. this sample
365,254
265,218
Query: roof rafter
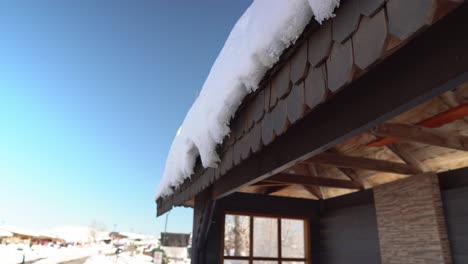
312,180
402,152
343,161
422,135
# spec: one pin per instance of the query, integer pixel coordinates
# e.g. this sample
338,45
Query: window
252,239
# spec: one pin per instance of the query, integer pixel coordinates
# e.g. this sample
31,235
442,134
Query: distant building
14,235
117,236
176,246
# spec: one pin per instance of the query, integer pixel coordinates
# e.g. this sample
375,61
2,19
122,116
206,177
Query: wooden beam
267,184
311,180
272,189
451,100
314,190
422,135
438,120
401,151
343,161
351,174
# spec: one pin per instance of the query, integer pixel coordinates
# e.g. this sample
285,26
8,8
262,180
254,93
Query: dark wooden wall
259,204
454,185
348,230
344,229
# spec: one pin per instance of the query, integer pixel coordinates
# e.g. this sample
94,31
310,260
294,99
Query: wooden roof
432,137
325,62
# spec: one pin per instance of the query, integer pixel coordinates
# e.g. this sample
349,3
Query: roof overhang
404,75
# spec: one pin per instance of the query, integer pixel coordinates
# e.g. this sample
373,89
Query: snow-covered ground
123,258
9,254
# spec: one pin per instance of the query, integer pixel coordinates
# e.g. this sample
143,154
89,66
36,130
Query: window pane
235,261
293,262
236,236
292,238
265,233
265,262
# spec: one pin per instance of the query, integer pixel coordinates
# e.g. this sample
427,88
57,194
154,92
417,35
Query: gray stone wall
411,222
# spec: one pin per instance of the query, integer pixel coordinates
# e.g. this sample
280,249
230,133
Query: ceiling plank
312,180
402,152
422,135
343,161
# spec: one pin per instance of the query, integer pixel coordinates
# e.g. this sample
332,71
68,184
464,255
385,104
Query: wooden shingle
266,96
340,66
217,172
295,103
370,39
236,129
268,134
320,44
249,116
237,153
346,21
229,159
407,17
240,124
259,106
273,95
370,7
209,173
315,90
280,117
255,138
244,145
299,64
229,140
281,83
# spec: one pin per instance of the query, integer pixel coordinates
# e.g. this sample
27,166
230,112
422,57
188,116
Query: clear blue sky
91,94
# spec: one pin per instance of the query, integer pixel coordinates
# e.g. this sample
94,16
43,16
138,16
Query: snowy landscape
77,245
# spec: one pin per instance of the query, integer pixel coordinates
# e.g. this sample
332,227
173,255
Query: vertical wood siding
348,230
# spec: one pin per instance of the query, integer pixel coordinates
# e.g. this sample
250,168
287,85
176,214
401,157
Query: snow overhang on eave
321,58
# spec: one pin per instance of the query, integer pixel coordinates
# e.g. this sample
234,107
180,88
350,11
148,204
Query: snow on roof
131,235
5,233
254,45
19,231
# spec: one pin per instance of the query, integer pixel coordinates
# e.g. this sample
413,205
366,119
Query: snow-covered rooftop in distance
5,233
72,233
19,230
254,45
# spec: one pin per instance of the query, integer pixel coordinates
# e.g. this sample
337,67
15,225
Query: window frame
250,259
